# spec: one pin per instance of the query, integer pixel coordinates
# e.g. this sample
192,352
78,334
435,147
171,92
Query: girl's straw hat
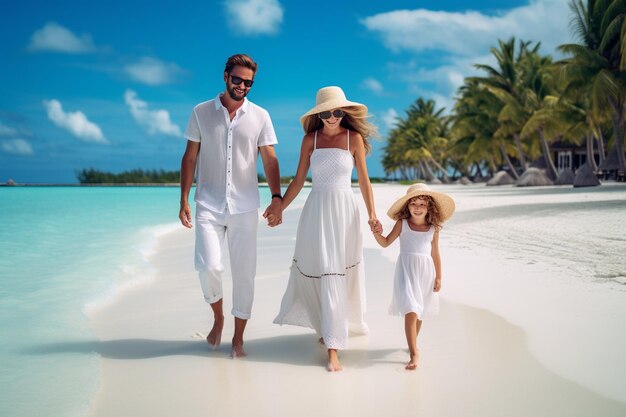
329,98
444,202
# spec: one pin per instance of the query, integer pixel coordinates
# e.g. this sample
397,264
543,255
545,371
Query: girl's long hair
433,215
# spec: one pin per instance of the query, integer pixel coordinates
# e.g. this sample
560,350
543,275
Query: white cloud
152,71
390,118
470,33
155,121
254,17
462,39
7,131
56,38
74,122
16,147
373,85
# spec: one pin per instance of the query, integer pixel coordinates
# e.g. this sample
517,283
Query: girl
326,285
419,215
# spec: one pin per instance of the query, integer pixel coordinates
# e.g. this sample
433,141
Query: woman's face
332,118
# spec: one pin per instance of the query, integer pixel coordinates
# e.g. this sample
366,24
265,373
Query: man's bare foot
412,364
215,336
238,352
333,361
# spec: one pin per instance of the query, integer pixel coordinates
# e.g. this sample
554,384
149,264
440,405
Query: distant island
141,177
135,176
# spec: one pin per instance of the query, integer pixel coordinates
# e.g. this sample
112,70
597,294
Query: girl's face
418,207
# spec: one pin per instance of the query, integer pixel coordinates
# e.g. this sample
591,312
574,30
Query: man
224,137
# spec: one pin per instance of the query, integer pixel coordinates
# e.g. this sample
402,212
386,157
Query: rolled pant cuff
213,299
240,315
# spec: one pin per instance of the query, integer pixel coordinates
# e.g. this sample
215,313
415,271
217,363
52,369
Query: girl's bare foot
333,361
412,364
215,336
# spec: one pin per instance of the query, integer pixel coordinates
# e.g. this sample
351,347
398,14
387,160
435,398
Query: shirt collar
243,108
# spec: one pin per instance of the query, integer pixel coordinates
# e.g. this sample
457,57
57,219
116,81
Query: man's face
242,75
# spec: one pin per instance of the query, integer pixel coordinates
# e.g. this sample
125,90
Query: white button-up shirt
226,175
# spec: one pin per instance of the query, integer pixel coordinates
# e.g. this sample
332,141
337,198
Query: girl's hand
375,226
437,285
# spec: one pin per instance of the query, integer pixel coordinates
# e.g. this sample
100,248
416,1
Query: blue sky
110,85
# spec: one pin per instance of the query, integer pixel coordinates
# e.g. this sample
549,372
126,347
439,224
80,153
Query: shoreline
479,352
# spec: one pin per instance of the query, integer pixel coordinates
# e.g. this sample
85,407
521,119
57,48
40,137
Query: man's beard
233,95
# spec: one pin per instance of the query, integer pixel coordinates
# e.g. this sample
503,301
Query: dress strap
348,130
315,141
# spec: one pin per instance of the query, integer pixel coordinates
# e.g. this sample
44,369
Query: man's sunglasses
338,114
238,80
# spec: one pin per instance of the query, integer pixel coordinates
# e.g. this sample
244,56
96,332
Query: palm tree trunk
520,151
428,173
591,159
440,168
479,172
508,162
546,155
618,131
493,168
601,148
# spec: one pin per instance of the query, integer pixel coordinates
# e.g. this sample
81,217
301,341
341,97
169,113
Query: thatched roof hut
566,177
585,177
542,165
533,177
463,181
611,162
501,178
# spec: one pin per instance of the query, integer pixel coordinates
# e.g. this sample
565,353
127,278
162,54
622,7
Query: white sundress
326,290
414,277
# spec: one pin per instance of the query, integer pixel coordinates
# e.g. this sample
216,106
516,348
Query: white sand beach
531,322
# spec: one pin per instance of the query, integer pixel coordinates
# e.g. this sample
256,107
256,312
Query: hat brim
334,104
444,202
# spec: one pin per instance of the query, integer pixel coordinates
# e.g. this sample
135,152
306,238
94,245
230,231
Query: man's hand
185,216
274,213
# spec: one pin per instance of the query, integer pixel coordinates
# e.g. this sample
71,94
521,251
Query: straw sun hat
444,202
329,98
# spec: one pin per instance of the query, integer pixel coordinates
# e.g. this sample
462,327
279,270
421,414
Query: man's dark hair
242,60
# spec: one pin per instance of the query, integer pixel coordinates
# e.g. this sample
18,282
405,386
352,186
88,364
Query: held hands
375,226
185,215
274,213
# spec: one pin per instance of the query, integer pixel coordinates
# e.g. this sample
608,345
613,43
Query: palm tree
539,90
474,123
504,82
598,64
415,145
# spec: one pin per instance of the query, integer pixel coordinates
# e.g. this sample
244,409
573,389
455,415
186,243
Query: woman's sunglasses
238,80
338,114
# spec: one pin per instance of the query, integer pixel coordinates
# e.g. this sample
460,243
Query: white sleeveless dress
414,278
326,290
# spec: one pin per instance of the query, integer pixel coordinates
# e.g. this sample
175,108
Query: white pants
240,230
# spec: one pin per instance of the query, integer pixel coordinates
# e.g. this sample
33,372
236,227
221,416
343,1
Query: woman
326,285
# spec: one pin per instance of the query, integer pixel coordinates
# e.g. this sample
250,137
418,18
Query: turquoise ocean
63,252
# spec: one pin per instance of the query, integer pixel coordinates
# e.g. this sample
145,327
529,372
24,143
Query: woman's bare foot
215,336
412,364
333,361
